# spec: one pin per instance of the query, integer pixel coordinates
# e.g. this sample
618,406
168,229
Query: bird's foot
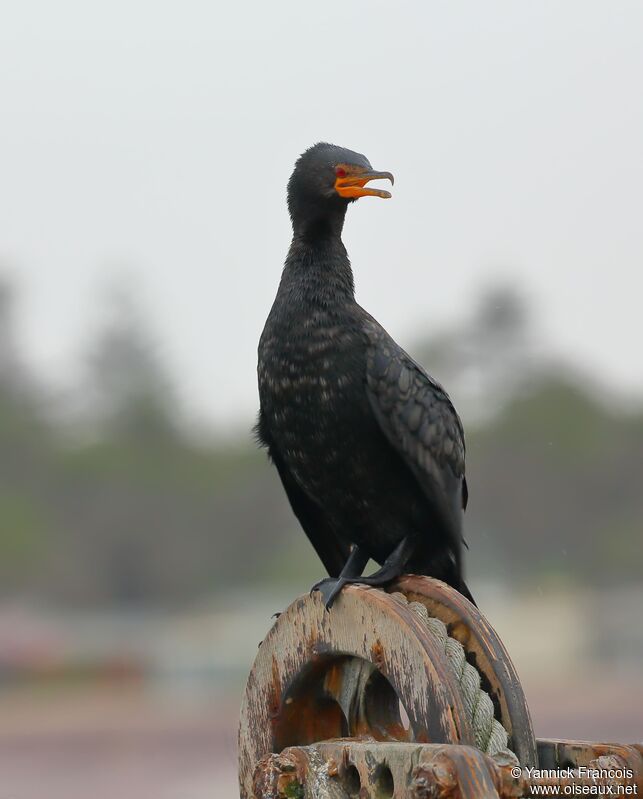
375,580
329,589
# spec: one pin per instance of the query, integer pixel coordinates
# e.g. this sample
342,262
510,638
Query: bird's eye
340,172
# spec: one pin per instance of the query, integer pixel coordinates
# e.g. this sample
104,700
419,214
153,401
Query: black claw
329,589
320,584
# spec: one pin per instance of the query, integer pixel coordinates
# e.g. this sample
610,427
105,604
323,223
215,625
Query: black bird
368,446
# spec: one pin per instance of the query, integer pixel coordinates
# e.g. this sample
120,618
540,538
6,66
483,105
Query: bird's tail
463,588
448,568
453,575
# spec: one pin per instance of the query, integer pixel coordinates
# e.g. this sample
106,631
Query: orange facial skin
351,182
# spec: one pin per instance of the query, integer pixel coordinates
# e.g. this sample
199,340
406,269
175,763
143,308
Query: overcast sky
155,139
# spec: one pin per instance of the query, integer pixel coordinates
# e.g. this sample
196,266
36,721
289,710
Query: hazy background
144,543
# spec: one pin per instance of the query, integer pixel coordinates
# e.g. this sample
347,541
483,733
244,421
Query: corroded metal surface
323,674
298,773
487,653
361,701
347,769
561,754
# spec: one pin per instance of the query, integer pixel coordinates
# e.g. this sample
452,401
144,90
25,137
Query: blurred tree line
112,501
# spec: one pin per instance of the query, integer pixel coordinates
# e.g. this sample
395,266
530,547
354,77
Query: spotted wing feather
418,418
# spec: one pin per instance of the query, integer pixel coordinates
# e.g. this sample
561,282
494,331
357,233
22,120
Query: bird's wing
332,551
419,420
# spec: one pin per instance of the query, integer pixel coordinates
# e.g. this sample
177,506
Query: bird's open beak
353,183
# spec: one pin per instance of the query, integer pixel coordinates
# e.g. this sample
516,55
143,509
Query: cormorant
369,447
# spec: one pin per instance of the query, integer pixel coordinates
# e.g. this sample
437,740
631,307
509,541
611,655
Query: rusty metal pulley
370,668
485,651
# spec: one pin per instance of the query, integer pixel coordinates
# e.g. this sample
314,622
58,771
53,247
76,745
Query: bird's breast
310,362
317,415
311,385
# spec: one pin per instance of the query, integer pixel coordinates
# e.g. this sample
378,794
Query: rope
490,736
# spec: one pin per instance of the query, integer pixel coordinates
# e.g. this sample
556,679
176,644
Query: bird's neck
317,268
316,220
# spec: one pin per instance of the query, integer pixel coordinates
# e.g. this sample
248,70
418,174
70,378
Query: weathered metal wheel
371,667
485,651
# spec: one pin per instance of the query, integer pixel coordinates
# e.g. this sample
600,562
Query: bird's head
326,179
